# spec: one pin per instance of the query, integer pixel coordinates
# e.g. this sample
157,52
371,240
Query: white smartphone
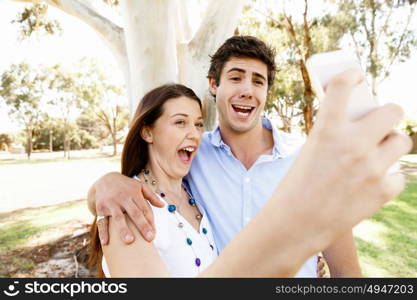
323,67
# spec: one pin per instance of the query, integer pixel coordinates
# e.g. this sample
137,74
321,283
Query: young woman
159,149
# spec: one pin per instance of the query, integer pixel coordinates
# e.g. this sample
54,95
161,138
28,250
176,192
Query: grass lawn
45,181
23,230
387,243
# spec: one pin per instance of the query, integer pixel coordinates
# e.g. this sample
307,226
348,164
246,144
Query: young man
239,164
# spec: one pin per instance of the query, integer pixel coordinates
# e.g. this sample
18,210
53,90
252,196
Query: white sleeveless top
171,243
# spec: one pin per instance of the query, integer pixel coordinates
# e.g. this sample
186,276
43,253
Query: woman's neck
165,183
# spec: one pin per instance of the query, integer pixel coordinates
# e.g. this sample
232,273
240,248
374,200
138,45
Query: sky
79,40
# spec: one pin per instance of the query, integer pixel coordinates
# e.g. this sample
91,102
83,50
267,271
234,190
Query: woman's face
175,136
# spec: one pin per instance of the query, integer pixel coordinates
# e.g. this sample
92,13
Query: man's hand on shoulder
116,195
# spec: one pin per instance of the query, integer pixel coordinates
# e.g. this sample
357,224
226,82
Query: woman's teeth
185,153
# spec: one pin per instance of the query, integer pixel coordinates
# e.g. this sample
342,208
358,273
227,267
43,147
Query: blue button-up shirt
231,194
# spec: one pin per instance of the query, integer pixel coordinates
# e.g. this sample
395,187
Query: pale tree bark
151,45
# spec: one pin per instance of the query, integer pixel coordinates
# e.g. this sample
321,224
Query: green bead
204,231
189,241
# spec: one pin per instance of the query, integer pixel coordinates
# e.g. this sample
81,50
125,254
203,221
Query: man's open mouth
243,110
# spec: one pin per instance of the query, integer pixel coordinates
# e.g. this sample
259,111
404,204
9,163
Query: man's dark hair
242,46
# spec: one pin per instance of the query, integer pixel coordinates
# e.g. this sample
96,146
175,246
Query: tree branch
307,36
384,27
112,34
399,43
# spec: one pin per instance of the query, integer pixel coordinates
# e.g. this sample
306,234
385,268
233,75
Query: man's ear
212,86
146,134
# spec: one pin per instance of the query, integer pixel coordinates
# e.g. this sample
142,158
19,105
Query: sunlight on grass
34,226
410,158
370,232
387,243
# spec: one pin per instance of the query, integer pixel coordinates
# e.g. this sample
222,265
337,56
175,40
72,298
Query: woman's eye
258,82
180,122
199,125
235,78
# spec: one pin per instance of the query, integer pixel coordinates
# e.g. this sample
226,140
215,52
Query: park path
38,184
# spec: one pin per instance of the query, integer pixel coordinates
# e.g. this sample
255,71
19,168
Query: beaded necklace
174,210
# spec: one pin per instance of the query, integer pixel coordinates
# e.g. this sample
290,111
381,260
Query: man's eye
259,82
235,78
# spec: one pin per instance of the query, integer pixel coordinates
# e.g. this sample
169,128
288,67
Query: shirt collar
278,150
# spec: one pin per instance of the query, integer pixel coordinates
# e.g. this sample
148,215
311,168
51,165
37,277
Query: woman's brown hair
135,154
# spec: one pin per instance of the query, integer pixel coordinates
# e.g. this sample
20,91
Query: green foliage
88,123
5,141
387,242
34,19
78,138
104,101
51,97
409,126
23,89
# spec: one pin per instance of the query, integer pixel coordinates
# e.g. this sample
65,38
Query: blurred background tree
23,88
381,34
62,109
5,141
103,101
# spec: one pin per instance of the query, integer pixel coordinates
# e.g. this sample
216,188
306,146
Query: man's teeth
243,107
189,149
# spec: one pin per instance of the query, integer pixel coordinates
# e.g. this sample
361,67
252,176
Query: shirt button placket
247,196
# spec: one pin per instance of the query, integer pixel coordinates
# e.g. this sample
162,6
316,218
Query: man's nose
247,89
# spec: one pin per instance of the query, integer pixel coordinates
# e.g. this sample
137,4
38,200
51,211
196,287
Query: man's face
241,94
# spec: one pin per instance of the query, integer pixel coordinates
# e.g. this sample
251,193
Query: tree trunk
308,109
50,142
65,143
114,138
29,145
151,50
308,116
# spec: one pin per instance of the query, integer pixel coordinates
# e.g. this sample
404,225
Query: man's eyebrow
237,70
244,71
259,75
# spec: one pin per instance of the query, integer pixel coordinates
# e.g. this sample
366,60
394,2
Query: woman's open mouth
242,111
187,153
